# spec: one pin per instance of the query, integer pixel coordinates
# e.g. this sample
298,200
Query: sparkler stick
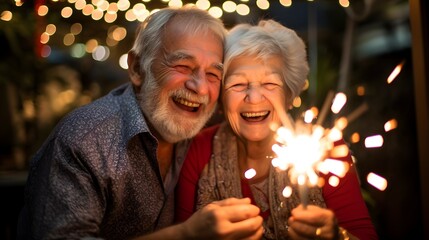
303,194
325,108
357,112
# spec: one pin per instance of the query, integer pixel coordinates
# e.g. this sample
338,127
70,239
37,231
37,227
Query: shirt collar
132,117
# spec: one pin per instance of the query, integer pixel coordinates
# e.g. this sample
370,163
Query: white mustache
189,96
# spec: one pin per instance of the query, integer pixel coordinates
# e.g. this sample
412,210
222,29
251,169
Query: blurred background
57,55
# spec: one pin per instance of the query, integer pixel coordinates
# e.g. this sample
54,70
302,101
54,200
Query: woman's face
251,91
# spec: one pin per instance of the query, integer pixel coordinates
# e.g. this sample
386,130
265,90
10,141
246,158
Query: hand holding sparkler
315,223
229,218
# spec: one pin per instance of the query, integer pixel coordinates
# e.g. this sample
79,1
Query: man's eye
214,76
183,69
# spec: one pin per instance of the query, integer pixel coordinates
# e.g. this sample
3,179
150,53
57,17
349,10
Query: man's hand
231,218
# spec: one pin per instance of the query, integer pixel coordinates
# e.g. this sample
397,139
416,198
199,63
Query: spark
339,101
374,141
334,181
250,173
334,166
360,90
355,137
287,191
390,125
309,116
377,181
395,72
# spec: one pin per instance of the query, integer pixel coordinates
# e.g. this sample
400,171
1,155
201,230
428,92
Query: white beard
167,122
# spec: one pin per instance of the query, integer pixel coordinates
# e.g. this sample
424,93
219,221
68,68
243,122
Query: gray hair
149,39
270,38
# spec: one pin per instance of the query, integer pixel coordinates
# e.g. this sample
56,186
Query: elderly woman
265,67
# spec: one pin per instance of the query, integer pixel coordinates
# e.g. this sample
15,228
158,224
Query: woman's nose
254,94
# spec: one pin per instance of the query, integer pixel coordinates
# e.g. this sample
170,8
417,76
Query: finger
325,232
232,201
309,212
240,212
295,236
256,236
313,215
301,229
250,228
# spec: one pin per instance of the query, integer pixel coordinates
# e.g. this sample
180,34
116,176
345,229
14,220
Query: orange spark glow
355,137
390,125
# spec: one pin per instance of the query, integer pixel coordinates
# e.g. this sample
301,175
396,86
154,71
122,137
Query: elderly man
109,169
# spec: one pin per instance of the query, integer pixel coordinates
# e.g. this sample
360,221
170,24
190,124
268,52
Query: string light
108,11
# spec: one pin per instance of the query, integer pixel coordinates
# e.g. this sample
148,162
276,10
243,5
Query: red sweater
345,200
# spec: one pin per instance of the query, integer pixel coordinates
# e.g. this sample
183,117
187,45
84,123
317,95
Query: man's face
181,95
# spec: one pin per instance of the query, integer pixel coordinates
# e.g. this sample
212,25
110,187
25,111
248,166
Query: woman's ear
134,70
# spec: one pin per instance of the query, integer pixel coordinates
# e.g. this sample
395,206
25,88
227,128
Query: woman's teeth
254,114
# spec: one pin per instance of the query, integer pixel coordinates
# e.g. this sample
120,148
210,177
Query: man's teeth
255,114
187,103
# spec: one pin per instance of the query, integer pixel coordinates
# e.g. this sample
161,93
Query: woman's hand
312,223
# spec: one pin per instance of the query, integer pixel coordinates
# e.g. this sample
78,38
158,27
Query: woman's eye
239,87
270,85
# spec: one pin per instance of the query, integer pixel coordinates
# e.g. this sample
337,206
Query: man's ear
134,70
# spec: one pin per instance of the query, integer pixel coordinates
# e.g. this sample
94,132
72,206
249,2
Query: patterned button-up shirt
97,175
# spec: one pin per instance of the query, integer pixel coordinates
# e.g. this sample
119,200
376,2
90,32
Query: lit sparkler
303,148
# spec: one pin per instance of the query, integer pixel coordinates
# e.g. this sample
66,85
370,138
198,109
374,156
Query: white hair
150,34
270,38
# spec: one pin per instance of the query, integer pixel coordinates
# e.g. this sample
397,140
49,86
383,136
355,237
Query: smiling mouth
255,116
187,105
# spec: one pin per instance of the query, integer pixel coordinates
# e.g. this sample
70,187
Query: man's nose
198,83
